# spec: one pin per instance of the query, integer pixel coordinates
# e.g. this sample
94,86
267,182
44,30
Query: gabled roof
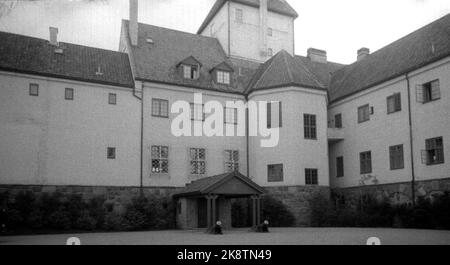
157,62
424,46
35,56
282,70
208,185
190,61
224,67
276,6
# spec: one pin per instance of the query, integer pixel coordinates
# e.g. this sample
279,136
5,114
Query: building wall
245,41
293,151
47,140
157,131
218,28
383,130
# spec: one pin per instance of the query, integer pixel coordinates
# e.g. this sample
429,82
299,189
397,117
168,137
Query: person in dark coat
218,228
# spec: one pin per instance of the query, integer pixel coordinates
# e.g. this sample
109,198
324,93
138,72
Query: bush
114,222
276,212
85,222
59,219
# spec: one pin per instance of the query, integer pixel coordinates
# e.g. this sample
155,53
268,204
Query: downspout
413,174
141,182
247,130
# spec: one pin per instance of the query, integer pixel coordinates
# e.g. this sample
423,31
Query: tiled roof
283,70
206,185
157,62
276,6
29,55
422,47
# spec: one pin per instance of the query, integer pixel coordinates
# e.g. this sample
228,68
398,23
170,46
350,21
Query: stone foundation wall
398,193
297,198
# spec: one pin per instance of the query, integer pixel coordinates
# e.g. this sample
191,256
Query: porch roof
231,184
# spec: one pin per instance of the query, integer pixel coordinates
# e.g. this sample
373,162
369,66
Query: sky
339,27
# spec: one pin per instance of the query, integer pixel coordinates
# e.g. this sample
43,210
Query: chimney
362,53
133,27
263,27
54,36
317,55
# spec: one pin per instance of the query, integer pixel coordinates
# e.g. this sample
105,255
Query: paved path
278,236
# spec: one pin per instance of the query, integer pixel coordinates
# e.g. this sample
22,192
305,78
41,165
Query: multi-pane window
223,77
231,160
274,114
428,92
338,121
363,113
231,115
340,167
365,160
239,15
111,153
198,161
112,99
160,108
310,126
396,157
394,103
434,153
275,173
190,71
68,94
198,112
160,159
34,90
269,32
311,176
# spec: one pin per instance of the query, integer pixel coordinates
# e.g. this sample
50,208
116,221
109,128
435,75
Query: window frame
269,114
270,178
191,72
269,52
365,163
110,96
196,161
269,31
340,171
428,91
232,163
31,92
234,120
310,126
239,15
69,96
223,77
362,118
431,145
397,101
311,177
338,125
160,159
160,113
113,155
192,112
397,152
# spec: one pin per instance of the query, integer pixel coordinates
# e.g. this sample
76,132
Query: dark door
202,214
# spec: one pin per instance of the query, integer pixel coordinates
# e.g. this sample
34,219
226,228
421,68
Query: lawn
277,236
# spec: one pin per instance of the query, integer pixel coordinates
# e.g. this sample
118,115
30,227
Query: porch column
254,224
214,218
208,212
258,210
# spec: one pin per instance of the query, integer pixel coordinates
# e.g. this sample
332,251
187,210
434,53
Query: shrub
59,219
113,222
276,212
97,210
134,220
85,222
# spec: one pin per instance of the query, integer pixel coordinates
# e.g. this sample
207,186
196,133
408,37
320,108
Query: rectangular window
34,90
160,159
190,72
274,114
311,176
340,167
310,126
198,161
112,99
160,108
223,77
239,15
111,153
434,153
270,52
338,121
68,94
396,157
394,103
365,159
275,173
269,32
198,112
231,115
231,160
363,113
428,92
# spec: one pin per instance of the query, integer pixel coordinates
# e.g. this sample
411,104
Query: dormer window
223,77
190,71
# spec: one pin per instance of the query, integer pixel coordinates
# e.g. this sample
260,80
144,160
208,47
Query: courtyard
277,236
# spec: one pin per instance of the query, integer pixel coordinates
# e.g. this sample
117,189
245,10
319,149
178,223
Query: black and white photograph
247,124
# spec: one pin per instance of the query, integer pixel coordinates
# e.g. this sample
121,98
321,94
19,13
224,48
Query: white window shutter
419,94
435,90
424,154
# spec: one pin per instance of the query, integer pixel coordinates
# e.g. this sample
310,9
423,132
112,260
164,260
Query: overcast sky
339,27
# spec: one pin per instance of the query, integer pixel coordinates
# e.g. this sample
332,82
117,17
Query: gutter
141,181
413,174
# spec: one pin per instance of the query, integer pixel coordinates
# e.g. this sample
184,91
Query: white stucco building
79,116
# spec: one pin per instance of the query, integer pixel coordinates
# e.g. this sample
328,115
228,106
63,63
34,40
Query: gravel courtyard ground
277,236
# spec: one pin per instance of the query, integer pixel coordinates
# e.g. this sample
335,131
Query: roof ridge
313,76
269,66
288,68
